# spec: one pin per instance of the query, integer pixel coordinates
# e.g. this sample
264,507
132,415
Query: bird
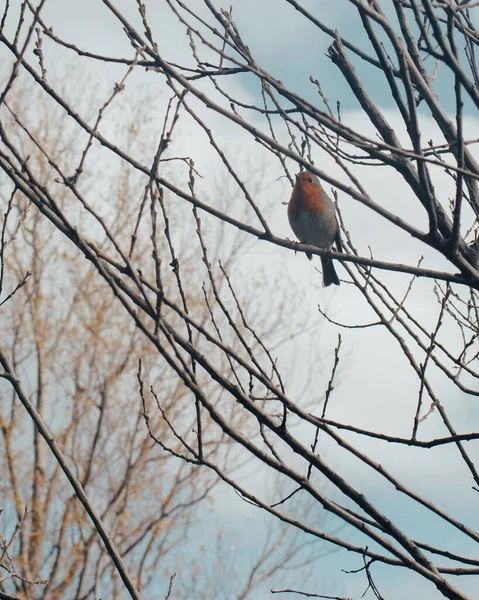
312,217
474,251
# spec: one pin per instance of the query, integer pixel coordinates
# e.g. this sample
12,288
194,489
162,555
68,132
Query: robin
312,217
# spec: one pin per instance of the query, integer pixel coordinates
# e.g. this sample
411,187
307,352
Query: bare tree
213,345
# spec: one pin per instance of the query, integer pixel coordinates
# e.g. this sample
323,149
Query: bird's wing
337,240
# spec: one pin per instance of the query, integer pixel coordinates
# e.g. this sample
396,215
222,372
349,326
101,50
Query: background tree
77,356
417,58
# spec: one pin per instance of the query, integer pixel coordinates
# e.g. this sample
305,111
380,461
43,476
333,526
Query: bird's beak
297,176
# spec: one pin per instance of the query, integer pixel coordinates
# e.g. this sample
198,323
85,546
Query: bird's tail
329,272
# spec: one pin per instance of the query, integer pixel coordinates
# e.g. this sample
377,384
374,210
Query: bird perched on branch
312,217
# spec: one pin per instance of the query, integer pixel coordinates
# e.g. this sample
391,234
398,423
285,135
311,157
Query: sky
376,388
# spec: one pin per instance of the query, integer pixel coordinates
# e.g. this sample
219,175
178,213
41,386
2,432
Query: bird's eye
310,179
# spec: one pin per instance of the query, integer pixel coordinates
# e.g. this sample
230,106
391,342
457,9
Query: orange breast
306,196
